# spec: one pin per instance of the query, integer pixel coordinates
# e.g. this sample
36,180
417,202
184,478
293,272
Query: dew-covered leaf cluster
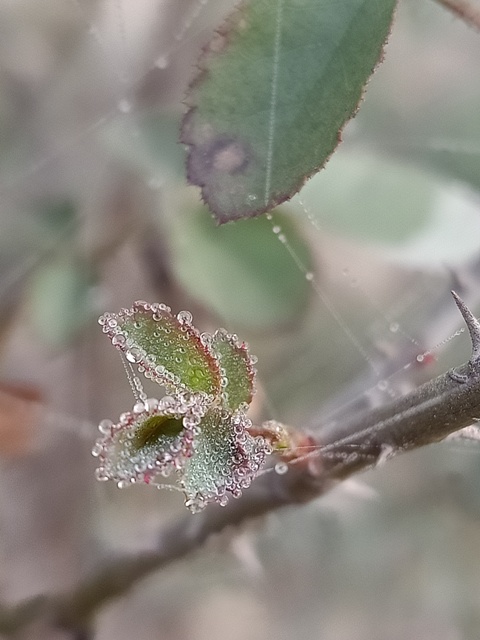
200,431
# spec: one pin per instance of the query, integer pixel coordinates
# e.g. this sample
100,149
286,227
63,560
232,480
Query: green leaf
236,368
241,271
155,438
154,150
156,428
278,83
408,213
226,458
370,198
60,300
458,163
168,348
57,216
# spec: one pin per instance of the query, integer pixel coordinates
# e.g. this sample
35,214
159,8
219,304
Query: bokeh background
95,213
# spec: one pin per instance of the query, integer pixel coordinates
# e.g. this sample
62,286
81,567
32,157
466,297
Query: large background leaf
395,207
279,82
241,271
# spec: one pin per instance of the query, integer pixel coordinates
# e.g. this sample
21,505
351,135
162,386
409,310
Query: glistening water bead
185,317
97,449
133,355
118,340
105,426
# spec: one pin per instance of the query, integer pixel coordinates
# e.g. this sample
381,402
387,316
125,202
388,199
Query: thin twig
427,415
465,10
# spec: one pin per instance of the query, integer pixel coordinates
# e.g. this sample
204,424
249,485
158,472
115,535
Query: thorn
473,326
458,377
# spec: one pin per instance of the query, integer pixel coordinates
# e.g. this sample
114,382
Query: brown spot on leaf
229,157
219,156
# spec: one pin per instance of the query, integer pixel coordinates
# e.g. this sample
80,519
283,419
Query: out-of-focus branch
427,415
465,10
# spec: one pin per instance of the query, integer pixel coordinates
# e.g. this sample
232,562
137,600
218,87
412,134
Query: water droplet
252,197
122,484
105,426
100,474
281,468
162,62
151,404
309,276
382,385
276,229
124,418
97,449
124,105
206,338
282,238
118,340
133,355
185,317
420,357
139,407
394,327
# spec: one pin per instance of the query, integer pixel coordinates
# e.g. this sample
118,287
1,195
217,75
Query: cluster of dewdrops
121,461
216,476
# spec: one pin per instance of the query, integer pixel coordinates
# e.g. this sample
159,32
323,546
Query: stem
465,10
426,415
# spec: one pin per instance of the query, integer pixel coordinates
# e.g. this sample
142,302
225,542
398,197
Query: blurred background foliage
95,212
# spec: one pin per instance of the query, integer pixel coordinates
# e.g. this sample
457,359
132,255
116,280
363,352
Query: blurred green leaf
278,83
36,229
153,148
368,197
60,300
396,207
57,216
457,162
241,271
